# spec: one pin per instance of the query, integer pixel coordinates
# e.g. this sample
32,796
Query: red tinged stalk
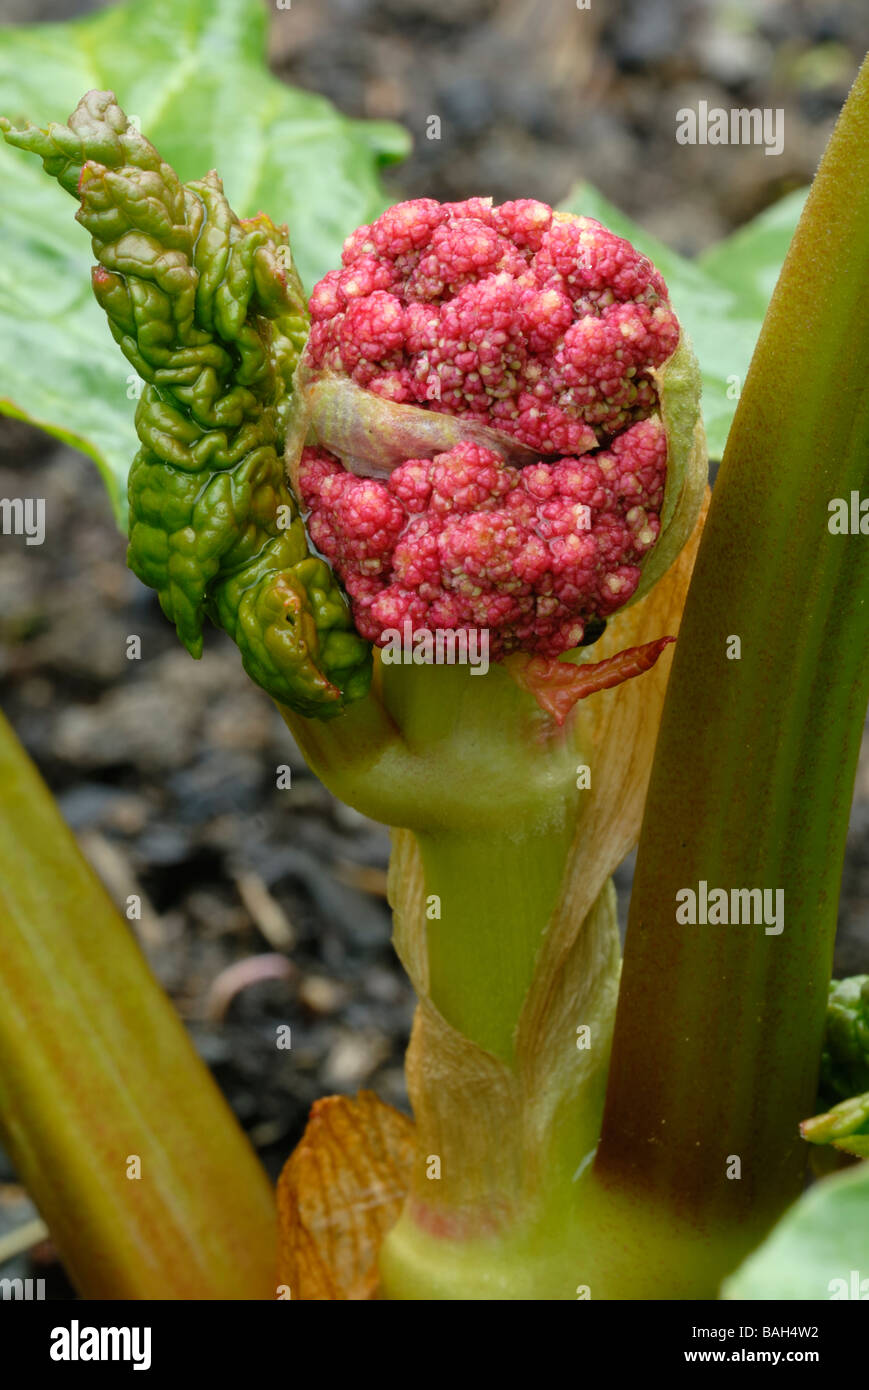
97,1071
720,1024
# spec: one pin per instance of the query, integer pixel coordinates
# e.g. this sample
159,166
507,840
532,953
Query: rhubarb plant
448,507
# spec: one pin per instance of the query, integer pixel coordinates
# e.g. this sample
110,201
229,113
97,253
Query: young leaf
850,1117
749,261
817,1249
193,73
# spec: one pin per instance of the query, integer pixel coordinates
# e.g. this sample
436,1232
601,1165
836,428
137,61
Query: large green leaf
721,298
749,261
822,1239
193,73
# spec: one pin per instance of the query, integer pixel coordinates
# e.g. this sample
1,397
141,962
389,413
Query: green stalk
496,894
482,785
719,1027
494,819
96,1069
509,1138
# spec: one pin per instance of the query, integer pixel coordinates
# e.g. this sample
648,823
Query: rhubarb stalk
719,1029
142,1174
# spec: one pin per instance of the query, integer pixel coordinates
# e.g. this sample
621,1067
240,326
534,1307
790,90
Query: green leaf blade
749,261
815,1248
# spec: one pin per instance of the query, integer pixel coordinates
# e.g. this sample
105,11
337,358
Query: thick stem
499,1141
512,945
495,819
494,898
719,1025
419,752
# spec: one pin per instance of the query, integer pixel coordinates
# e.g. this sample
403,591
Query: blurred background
266,906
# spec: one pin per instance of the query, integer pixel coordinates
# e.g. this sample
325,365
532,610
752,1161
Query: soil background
265,907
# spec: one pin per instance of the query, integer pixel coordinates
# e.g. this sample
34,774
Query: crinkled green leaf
209,310
193,73
720,298
815,1247
845,1058
844,1070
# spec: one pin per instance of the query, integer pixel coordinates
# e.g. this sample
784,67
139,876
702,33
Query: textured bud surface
489,413
544,336
465,541
545,326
